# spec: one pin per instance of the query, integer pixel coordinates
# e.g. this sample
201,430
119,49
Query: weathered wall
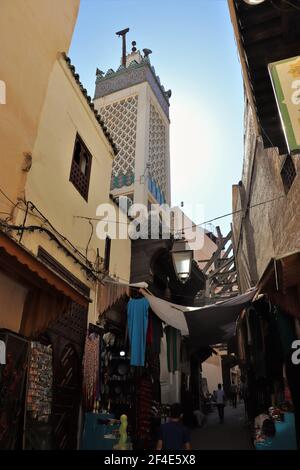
13,297
270,229
212,371
31,34
65,113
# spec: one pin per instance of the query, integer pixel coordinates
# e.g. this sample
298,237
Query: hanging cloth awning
206,325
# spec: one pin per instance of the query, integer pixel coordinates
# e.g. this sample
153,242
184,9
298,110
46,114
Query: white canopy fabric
206,325
172,314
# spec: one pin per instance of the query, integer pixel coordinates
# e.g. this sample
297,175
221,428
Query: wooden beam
228,263
218,298
230,284
217,252
227,252
220,236
226,274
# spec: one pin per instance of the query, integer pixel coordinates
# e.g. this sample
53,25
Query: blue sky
195,55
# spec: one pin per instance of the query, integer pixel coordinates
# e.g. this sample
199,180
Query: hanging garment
241,341
150,329
257,343
286,331
176,387
137,319
297,327
163,360
90,371
274,352
173,348
249,335
157,333
185,359
154,369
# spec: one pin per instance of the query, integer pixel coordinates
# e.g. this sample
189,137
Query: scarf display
40,379
90,371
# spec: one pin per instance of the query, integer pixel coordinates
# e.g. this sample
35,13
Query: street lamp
182,260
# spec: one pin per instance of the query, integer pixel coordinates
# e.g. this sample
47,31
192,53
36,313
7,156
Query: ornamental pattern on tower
157,149
120,118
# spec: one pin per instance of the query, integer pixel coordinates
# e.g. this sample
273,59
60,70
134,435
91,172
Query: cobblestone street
233,434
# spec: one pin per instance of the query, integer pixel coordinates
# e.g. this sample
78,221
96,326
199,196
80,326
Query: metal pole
123,33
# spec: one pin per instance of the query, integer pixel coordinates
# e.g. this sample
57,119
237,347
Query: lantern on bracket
182,258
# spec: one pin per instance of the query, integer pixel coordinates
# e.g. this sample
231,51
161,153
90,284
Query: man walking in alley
174,435
220,402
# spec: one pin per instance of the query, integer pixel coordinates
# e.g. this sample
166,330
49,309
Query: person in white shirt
220,402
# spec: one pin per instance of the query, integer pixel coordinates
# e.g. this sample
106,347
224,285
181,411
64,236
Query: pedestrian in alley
174,435
220,402
233,392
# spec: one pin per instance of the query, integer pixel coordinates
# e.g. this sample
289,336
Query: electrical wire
43,219
16,204
6,197
32,228
193,225
100,220
88,244
65,239
138,288
91,271
266,135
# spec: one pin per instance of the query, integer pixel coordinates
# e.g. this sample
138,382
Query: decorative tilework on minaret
135,109
120,119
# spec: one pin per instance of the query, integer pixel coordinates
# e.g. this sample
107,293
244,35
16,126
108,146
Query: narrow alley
233,434
150,230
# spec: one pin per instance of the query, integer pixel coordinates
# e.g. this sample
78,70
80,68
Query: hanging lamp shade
182,260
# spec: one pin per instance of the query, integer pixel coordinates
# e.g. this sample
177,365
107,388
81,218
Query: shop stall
264,338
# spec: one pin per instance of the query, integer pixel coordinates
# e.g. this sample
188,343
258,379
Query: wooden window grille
81,167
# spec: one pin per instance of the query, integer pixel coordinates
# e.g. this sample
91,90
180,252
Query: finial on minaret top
123,33
99,73
147,52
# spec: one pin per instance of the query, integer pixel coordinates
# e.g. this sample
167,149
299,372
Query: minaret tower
135,109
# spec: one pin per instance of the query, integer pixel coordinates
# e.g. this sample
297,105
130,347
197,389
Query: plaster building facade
43,30
56,161
62,160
